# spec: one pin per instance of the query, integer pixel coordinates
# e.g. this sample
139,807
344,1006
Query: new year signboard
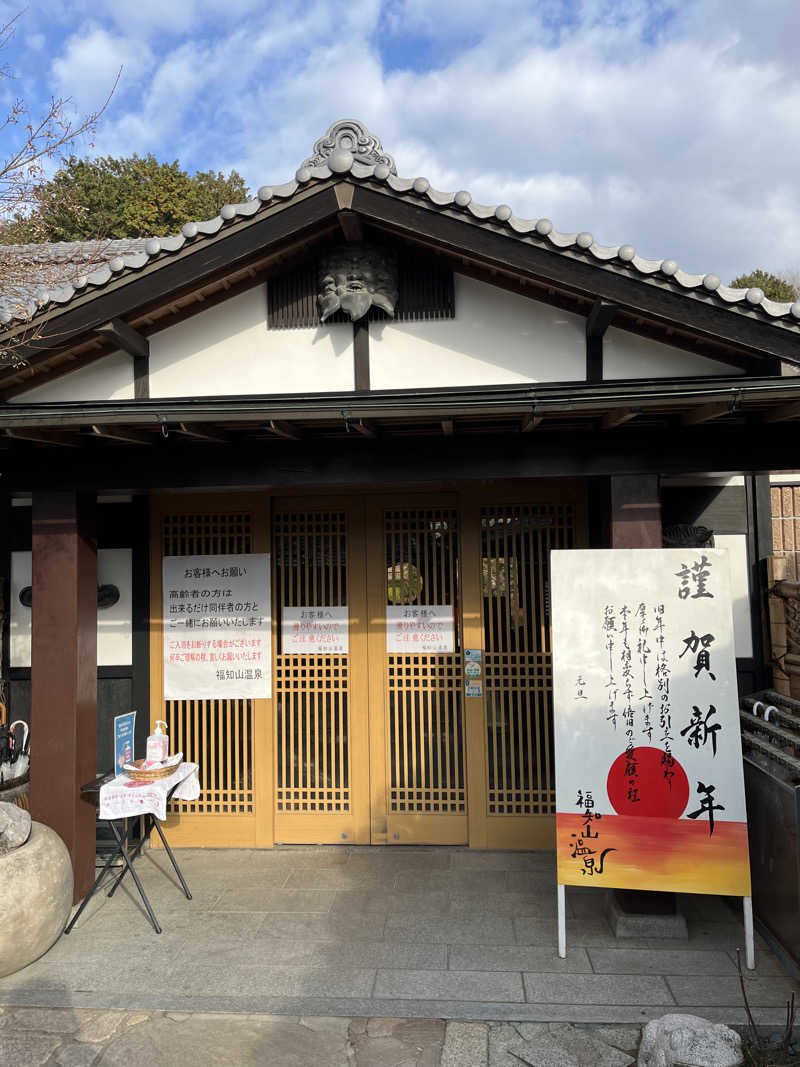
649,778
217,627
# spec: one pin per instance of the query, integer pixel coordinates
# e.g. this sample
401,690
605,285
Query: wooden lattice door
516,541
229,739
417,720
321,740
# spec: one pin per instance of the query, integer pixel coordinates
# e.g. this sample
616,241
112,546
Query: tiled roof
348,149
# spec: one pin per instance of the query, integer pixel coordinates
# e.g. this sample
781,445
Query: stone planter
36,890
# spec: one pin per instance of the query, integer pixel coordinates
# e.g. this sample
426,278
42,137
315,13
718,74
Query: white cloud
670,126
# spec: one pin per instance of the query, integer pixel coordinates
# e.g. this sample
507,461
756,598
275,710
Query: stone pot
36,890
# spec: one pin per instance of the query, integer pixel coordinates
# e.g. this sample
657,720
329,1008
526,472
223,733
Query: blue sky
670,126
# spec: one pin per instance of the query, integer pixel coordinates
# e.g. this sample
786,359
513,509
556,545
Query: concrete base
628,917
36,890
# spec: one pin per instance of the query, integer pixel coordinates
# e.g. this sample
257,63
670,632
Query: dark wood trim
125,337
361,354
757,575
141,378
350,221
358,461
635,511
576,273
597,322
140,611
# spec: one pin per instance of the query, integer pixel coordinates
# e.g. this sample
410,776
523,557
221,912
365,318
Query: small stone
15,827
689,1041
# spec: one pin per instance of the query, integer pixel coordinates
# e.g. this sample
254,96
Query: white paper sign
320,631
425,628
649,778
217,627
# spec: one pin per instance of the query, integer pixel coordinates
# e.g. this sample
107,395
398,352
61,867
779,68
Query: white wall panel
497,337
228,350
627,355
114,623
109,378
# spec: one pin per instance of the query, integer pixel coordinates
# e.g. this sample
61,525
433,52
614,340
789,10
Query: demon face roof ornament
350,135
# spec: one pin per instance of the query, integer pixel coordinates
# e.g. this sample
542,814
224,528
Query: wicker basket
137,773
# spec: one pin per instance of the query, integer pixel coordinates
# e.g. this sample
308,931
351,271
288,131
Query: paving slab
660,961
596,989
466,1045
518,958
442,985
699,992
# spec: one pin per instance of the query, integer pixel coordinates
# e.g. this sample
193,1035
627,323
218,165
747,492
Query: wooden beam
448,427
285,430
365,428
126,338
125,434
617,417
200,433
350,222
361,354
44,437
784,412
705,413
530,422
597,322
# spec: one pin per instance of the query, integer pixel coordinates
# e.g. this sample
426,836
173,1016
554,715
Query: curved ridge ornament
350,135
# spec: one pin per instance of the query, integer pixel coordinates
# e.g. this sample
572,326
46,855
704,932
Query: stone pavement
63,1037
400,933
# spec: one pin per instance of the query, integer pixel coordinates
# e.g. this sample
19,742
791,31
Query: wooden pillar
64,673
635,511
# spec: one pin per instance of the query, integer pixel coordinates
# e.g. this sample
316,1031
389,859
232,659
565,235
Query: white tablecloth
124,799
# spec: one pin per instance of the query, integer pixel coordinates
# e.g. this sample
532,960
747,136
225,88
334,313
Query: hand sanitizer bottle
158,744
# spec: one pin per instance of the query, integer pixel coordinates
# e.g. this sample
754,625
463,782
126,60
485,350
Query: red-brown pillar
64,673
635,511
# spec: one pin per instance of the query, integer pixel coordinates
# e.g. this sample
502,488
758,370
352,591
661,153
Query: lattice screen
786,527
216,734
516,543
426,726
311,692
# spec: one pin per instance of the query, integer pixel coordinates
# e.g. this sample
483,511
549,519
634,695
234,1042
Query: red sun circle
659,796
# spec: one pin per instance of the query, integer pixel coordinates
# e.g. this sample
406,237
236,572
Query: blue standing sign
123,740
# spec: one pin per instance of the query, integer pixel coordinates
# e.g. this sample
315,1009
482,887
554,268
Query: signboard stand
649,774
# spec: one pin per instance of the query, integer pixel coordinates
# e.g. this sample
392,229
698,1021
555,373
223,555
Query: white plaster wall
228,350
114,624
109,378
627,355
497,337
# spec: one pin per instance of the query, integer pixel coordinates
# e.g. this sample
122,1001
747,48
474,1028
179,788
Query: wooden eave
250,250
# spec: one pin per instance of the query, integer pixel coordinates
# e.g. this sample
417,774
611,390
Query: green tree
775,287
109,198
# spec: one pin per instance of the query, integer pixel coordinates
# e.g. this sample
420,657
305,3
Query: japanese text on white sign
320,631
425,628
217,627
